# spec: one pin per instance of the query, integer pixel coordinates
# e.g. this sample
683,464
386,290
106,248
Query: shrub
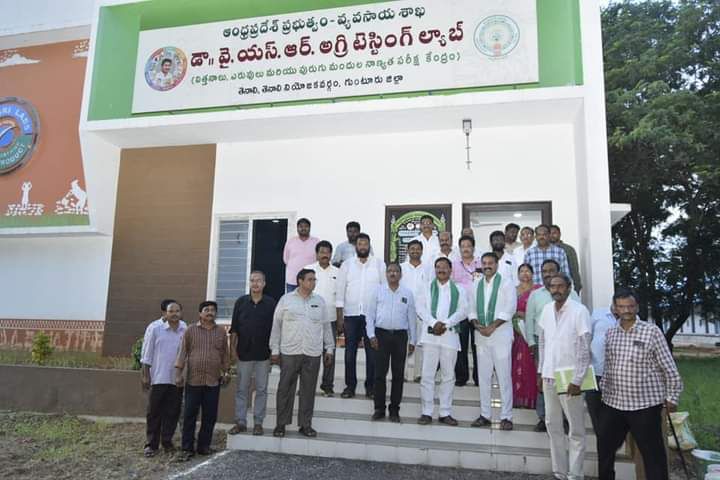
41,348
136,354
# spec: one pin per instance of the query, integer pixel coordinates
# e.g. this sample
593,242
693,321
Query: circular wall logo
496,36
19,124
165,68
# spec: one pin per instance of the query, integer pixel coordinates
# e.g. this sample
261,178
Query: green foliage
136,354
662,74
702,389
67,360
41,348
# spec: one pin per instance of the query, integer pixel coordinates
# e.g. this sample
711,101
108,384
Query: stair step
360,424
463,410
485,456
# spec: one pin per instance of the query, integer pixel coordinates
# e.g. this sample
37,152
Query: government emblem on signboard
19,124
497,36
165,68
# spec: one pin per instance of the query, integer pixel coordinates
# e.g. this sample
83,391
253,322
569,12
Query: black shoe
460,384
481,422
378,415
369,394
308,432
540,427
205,451
169,448
328,392
185,455
279,431
448,421
347,393
394,417
424,420
150,452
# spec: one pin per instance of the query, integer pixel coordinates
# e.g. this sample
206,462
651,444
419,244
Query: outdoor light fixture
467,128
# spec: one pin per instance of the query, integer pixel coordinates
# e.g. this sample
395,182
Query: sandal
237,428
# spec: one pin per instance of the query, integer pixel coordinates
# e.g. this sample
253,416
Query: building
182,180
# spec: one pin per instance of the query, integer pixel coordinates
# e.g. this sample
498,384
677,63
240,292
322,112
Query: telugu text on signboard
381,48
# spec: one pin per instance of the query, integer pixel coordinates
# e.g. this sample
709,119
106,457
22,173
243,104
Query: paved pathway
273,466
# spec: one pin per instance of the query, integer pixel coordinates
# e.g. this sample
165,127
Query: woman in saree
523,365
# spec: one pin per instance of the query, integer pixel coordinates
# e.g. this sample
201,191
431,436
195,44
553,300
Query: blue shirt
391,311
602,321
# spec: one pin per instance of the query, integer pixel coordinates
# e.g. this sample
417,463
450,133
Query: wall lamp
467,128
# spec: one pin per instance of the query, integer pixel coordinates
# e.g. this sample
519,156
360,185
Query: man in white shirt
326,286
416,276
447,249
492,306
443,307
158,372
511,233
145,380
506,261
164,78
527,240
301,332
357,282
430,241
564,344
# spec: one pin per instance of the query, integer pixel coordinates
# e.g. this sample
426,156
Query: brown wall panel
161,241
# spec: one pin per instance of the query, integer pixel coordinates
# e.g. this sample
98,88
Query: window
232,264
484,218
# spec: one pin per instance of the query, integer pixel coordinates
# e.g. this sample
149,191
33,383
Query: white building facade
537,151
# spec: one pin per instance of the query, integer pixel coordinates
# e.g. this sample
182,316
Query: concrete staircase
346,431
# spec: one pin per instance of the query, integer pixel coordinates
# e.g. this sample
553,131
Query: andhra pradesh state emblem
497,36
19,124
165,68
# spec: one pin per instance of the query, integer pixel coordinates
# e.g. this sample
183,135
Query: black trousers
391,353
197,398
354,332
163,412
646,428
462,367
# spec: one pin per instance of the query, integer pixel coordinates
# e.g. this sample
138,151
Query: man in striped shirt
640,379
202,364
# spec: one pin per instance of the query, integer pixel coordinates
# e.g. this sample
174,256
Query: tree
662,74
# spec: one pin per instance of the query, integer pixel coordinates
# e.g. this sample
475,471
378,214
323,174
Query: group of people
515,307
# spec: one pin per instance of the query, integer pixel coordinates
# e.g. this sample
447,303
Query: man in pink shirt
298,252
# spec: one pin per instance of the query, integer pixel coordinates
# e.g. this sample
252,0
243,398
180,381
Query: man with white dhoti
492,306
444,306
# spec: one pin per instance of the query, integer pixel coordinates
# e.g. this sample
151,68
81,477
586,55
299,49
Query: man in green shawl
492,307
441,309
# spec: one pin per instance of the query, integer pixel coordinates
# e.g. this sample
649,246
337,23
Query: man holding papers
564,360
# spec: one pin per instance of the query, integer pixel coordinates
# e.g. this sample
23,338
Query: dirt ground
59,447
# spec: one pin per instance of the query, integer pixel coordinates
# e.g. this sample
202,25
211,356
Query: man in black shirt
252,322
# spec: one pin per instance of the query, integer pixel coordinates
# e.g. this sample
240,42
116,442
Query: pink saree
524,377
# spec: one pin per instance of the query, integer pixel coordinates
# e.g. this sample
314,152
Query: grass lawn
63,447
701,398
